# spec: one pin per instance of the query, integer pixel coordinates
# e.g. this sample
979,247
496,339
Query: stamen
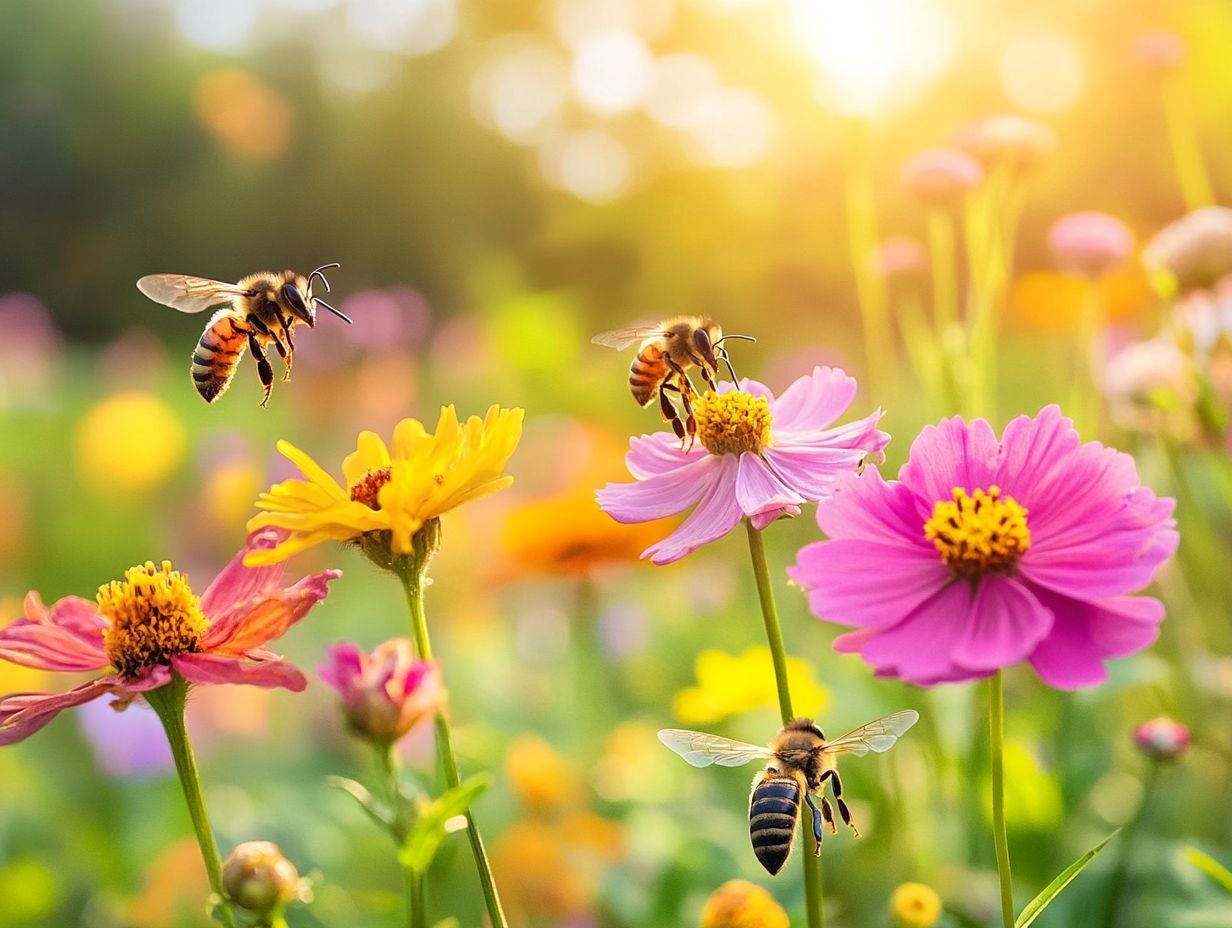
733,422
368,488
154,615
980,533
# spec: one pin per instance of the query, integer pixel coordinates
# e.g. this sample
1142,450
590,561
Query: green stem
1088,363
862,238
412,576
1186,150
168,702
774,636
1116,885
945,286
413,882
996,728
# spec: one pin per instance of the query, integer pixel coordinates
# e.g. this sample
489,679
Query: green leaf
450,922
377,811
1053,889
1210,866
428,831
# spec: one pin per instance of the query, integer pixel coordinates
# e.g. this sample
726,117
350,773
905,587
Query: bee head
293,298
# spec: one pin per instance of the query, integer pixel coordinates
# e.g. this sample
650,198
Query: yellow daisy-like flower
732,684
741,904
915,905
394,490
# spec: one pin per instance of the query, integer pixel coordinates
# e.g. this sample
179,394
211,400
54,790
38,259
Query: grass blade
1053,889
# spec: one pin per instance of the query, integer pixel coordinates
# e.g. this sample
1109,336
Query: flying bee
669,349
801,760
259,311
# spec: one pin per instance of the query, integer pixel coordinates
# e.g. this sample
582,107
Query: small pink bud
940,176
256,877
1014,141
1160,51
899,256
1162,739
1090,244
386,693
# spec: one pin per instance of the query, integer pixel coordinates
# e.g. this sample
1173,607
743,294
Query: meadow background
499,182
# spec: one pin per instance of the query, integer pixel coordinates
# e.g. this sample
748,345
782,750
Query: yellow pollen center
368,488
733,422
154,615
980,533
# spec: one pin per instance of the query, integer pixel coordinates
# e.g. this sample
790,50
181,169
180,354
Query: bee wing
620,339
187,294
878,735
702,750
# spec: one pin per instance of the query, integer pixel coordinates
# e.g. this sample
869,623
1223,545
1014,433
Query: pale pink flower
1194,252
899,257
1090,244
755,457
386,693
150,626
1014,142
941,177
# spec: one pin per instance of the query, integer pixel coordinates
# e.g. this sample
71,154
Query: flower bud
1193,252
1014,141
899,257
385,693
1090,244
915,905
741,904
256,877
1162,739
940,177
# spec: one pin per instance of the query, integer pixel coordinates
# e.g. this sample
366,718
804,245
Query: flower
150,626
258,878
1090,244
732,684
755,456
1162,739
129,443
1152,386
386,693
741,904
1016,142
1193,252
899,257
915,905
940,177
985,553
390,494
538,775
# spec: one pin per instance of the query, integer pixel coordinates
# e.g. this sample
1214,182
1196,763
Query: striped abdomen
646,373
218,354
774,808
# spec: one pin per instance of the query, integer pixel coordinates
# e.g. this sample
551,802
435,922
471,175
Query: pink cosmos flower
986,553
386,693
143,629
755,456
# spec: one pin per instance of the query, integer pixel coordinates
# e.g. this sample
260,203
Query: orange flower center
154,615
980,533
368,488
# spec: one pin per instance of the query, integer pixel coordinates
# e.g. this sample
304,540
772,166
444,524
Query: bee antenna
317,273
341,315
727,360
747,338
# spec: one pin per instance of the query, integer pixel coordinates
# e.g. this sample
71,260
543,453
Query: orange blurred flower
245,117
1048,300
741,904
539,776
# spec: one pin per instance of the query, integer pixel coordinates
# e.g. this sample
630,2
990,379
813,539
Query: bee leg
289,357
829,815
816,816
707,372
264,370
837,785
690,421
669,412
277,343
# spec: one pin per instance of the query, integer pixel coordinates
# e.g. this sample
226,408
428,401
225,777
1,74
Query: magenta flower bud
256,877
386,693
1194,252
1160,51
940,177
1162,739
1015,141
1090,244
899,257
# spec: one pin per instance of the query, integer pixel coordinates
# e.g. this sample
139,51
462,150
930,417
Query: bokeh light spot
129,442
735,128
592,165
224,25
680,85
245,117
612,71
413,27
1043,73
520,90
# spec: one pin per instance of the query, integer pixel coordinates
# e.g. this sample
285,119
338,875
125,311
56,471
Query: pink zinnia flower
149,626
986,553
755,456
386,693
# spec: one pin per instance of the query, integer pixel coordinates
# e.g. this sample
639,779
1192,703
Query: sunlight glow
413,27
612,71
1043,73
223,25
592,165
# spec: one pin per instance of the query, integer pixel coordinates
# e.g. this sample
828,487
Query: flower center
369,487
733,422
981,533
154,616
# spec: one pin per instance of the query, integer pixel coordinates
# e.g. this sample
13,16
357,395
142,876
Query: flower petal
951,454
214,668
759,490
1035,448
814,401
660,453
313,471
664,494
370,454
266,617
68,637
1005,623
22,714
715,516
867,506
236,584
762,519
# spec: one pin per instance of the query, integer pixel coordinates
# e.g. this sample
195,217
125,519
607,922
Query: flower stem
774,636
412,576
1116,885
388,760
168,702
996,728
1186,151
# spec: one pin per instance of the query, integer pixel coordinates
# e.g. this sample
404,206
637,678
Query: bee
259,311
801,760
669,349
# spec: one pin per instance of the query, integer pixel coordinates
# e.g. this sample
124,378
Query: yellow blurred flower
245,117
730,684
227,492
915,905
389,492
741,904
538,775
129,443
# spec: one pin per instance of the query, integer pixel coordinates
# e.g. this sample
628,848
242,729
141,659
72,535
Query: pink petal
22,714
751,387
69,637
812,472
1035,450
762,519
814,401
951,454
759,490
237,584
663,494
660,453
1084,634
343,668
1005,624
860,433
865,583
866,506
255,622
213,668
715,516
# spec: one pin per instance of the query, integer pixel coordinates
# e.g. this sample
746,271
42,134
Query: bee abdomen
645,374
216,356
774,809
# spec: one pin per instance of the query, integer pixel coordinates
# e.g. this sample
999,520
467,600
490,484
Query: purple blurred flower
986,553
126,744
386,693
1162,739
1090,244
941,177
755,456
29,348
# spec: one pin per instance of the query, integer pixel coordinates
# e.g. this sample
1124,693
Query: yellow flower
129,443
730,684
539,776
915,905
390,492
741,904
